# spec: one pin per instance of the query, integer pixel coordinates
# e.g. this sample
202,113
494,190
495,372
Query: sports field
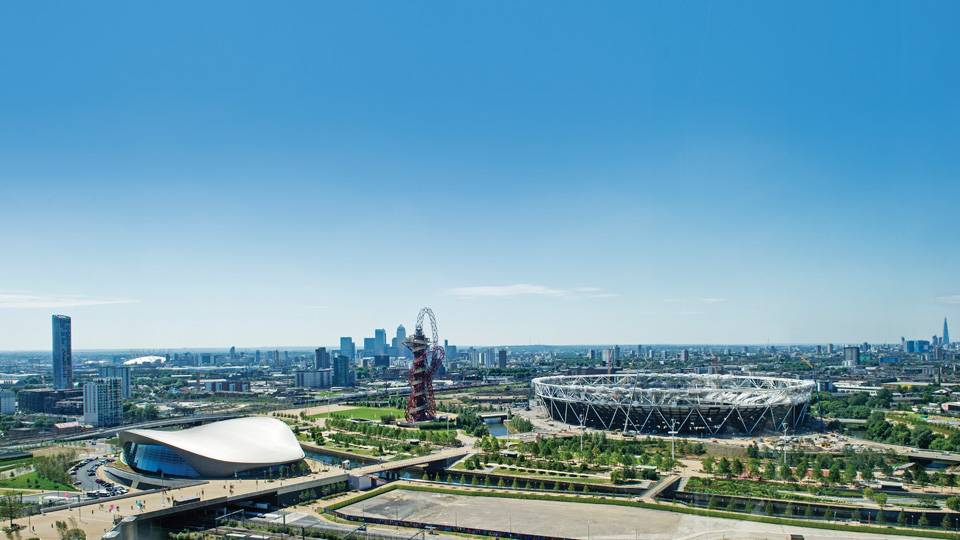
367,413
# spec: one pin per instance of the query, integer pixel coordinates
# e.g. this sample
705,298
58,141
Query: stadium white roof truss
675,402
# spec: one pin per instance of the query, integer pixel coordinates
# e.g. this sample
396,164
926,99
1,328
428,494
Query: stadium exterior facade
227,449
684,403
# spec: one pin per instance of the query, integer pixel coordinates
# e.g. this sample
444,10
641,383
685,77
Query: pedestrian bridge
443,458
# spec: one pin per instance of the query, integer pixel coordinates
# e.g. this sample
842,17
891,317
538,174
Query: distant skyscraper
684,355
379,341
321,358
946,333
851,356
402,350
341,371
233,353
369,347
62,353
347,348
502,359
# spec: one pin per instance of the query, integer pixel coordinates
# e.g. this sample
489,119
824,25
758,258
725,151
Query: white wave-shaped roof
254,440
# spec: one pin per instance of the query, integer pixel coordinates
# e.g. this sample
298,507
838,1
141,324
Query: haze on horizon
538,173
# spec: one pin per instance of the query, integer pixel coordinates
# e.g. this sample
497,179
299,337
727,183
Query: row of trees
370,429
599,450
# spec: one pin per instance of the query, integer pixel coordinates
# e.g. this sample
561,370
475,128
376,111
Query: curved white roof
238,444
145,360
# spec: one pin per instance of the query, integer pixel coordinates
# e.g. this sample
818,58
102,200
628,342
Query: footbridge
442,458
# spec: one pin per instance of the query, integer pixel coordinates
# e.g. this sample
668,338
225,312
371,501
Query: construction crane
817,386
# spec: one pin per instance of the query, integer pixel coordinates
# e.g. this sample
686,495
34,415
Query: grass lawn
29,481
367,413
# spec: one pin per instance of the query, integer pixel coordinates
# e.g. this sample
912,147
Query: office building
119,372
369,347
62,353
381,360
684,355
402,350
233,353
946,333
347,348
341,372
102,402
321,358
8,402
379,341
502,359
851,357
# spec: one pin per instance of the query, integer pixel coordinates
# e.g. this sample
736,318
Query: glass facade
156,459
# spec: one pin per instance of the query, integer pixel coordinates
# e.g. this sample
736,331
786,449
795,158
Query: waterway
497,429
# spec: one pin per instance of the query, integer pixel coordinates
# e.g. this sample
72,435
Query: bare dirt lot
573,520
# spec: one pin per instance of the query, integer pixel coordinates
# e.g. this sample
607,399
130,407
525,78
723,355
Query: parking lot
93,487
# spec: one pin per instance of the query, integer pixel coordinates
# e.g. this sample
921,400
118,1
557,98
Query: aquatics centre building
688,404
231,448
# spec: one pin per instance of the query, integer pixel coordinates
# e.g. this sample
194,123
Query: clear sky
207,174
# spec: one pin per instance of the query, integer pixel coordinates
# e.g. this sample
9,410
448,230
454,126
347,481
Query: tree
867,493
809,512
707,465
789,511
880,499
902,518
768,509
712,503
723,467
816,474
736,467
881,517
924,522
855,515
732,505
10,508
953,503
616,476
829,514
946,522
834,475
785,473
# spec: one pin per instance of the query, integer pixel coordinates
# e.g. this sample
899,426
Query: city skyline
629,173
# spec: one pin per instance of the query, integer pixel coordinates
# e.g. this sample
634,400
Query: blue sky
254,174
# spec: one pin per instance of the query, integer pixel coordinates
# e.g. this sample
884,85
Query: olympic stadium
682,403
227,449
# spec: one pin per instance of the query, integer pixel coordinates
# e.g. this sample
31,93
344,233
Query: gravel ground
574,520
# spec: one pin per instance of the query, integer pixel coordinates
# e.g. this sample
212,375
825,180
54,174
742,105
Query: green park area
32,480
366,413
